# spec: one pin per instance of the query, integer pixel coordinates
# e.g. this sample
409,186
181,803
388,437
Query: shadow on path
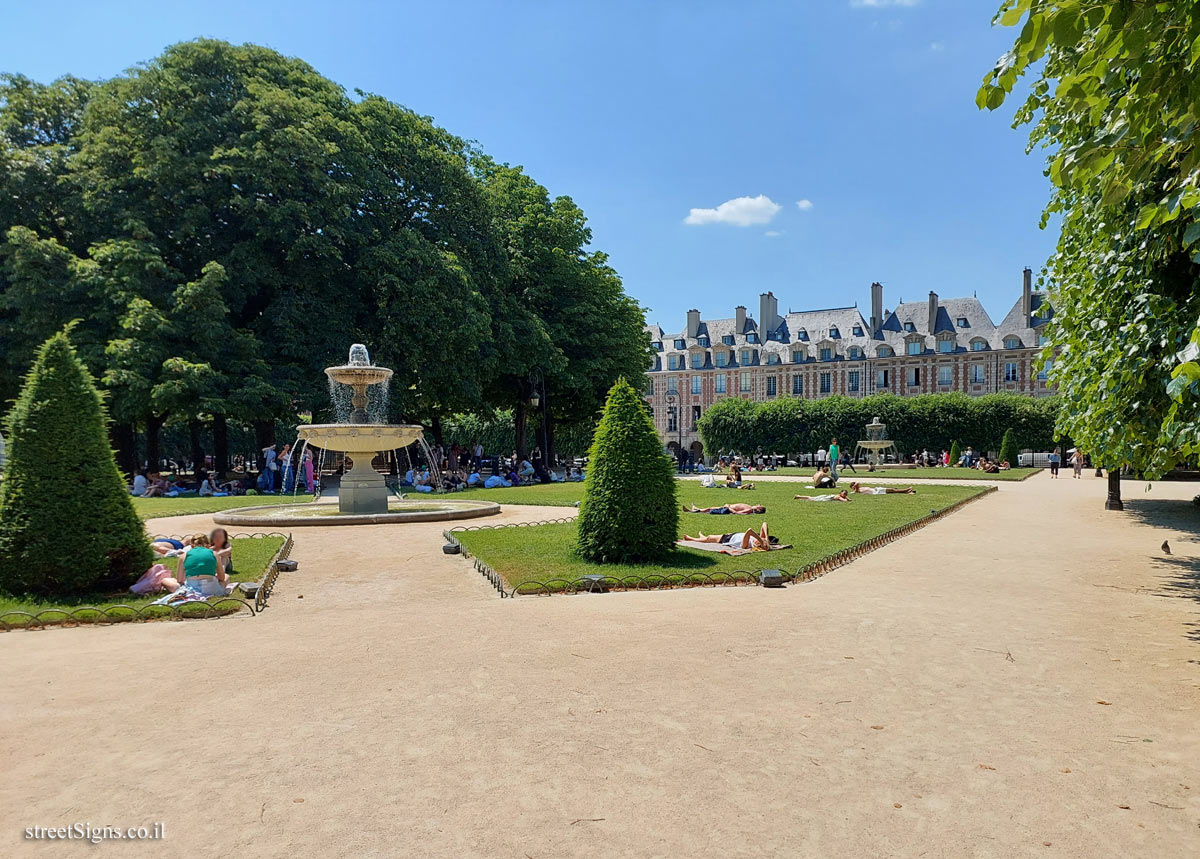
1180,574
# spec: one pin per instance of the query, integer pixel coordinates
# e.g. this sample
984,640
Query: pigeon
1166,547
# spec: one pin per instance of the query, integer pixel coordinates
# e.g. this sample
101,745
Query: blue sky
849,126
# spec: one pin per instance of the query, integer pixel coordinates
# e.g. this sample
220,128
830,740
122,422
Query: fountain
363,496
876,443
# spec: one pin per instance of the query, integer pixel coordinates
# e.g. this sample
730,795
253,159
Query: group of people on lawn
204,563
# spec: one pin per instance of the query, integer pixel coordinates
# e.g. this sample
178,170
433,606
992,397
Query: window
671,425
720,383
772,386
797,385
722,359
752,337
744,382
855,353
1010,372
882,380
679,344
745,356
833,332
915,347
945,375
802,334
696,384
673,385
656,345
797,356
1043,339
826,353
825,383
945,344
852,380
914,376
650,388
1012,343
697,360
695,417
962,322
858,332
703,340
978,345
773,358
1045,371
727,339
908,326
977,376
884,352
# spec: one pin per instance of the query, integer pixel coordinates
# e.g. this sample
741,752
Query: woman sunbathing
880,490
736,509
841,496
758,541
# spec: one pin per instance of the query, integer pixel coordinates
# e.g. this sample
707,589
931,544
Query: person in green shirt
200,569
835,453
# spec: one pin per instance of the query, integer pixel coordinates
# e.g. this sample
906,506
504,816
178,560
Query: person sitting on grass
473,479
223,549
840,496
987,466
1004,466
880,490
823,479
734,480
140,484
201,571
158,486
758,541
735,509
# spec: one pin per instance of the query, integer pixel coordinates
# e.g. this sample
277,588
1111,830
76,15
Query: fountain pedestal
362,489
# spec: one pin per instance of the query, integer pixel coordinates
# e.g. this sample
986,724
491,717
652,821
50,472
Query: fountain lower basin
427,509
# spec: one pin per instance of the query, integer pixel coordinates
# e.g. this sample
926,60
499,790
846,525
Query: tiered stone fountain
363,497
876,444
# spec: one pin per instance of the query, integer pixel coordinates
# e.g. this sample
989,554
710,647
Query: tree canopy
224,221
1113,98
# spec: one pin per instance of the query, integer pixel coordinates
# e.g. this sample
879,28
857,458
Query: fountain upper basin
359,438
355,374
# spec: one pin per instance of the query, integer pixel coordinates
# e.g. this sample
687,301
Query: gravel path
1019,679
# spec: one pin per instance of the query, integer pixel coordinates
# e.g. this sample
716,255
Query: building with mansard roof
920,347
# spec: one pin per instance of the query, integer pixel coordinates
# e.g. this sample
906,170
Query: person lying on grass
758,541
736,509
880,490
841,496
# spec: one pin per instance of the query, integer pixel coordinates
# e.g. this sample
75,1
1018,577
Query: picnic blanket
725,548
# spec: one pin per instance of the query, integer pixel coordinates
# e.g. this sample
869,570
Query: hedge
67,524
933,421
629,513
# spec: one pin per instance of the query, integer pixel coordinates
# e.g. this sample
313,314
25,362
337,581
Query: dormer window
833,332
746,356
908,326
802,334
752,337
703,340
773,358
797,356
978,345
962,322
945,344
679,344
858,331
698,359
915,347
885,352
855,353
721,358
1043,340
1012,342
826,353
727,339
656,345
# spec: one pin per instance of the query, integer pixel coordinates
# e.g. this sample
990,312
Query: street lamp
537,385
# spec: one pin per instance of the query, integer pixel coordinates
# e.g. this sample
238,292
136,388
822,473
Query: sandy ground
1018,679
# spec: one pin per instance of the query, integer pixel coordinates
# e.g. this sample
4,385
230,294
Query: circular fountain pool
431,509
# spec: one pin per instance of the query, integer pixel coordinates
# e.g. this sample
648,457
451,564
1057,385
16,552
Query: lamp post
673,416
537,385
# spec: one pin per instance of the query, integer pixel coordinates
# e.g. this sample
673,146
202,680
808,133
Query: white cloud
740,211
772,234
937,47
804,205
875,4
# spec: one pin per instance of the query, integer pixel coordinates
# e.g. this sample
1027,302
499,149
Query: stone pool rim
257,515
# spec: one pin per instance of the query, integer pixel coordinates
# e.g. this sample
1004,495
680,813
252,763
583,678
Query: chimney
693,329
933,309
876,307
768,313
1027,296
739,325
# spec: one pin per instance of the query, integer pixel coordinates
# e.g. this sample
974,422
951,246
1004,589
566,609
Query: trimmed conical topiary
955,452
1008,448
629,513
67,524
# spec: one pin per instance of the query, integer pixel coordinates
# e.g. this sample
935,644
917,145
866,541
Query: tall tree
1114,99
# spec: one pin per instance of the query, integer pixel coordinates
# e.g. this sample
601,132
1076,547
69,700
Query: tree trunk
124,439
520,421
197,451
548,440
264,435
435,427
220,431
1113,502
153,450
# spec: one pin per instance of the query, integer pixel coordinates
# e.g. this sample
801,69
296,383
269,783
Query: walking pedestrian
835,455
1077,463
1055,460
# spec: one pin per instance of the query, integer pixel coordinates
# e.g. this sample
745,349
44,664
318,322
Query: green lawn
250,558
903,473
155,508
815,530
